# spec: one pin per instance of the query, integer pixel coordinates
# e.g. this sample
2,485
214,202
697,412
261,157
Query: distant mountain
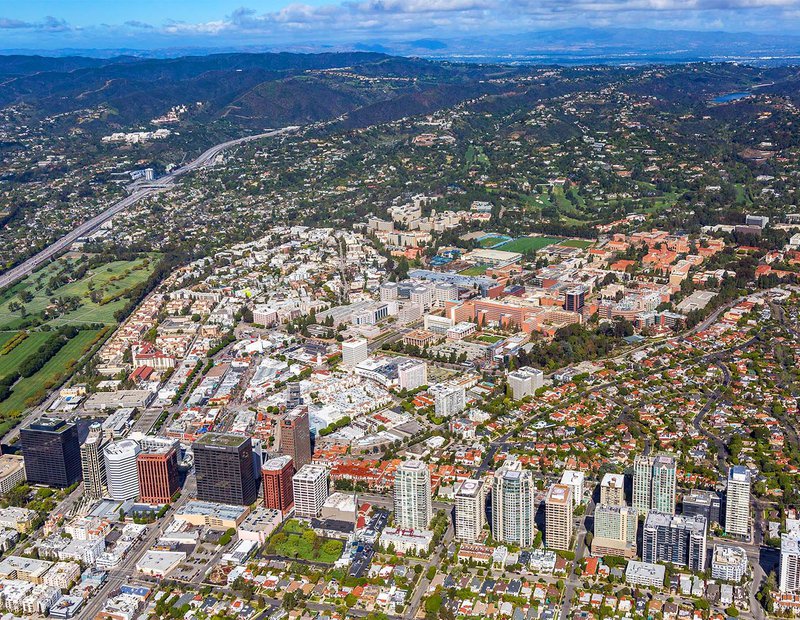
248,91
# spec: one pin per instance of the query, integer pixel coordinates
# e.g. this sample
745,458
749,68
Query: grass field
576,243
11,360
527,244
61,361
488,242
111,281
473,271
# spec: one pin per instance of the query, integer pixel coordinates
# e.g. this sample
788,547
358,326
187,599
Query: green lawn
527,244
50,372
298,540
477,270
490,338
576,243
488,242
11,360
112,281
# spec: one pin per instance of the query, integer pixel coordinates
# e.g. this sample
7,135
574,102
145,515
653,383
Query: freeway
139,192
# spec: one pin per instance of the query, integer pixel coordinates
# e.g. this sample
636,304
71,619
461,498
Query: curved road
34,262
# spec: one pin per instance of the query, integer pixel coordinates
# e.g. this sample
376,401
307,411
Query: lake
729,97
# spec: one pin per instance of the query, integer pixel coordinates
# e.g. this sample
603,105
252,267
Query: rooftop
469,488
558,494
222,440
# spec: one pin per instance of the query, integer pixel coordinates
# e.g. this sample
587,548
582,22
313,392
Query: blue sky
142,24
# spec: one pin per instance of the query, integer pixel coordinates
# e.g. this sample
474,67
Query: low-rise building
645,574
728,563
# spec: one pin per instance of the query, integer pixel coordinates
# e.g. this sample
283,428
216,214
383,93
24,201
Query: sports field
576,243
528,244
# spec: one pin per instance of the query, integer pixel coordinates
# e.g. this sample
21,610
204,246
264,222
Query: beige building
12,472
558,517
612,490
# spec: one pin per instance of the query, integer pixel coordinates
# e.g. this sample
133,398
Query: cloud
134,23
48,24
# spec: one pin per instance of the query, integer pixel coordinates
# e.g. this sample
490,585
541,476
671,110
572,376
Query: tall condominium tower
413,504
737,502
470,510
654,483
558,517
513,510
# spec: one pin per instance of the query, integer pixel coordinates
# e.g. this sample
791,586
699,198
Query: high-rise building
354,351
558,517
575,298
310,490
790,563
525,381
223,464
52,452
276,476
448,400
158,474
614,530
513,509
705,503
737,502
413,503
654,483
678,539
470,510
122,474
612,490
574,480
93,464
412,374
295,436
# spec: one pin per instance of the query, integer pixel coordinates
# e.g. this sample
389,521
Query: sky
160,24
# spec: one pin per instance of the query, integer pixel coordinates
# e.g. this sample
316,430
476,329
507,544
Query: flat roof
206,509
227,440
558,494
469,488
615,481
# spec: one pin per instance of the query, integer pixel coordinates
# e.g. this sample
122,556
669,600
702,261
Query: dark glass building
223,465
52,452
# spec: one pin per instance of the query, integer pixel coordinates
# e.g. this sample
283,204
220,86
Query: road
572,580
141,191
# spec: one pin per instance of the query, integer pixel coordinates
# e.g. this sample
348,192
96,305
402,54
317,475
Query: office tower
612,490
122,474
310,490
276,476
93,464
52,452
294,396
470,510
705,503
790,563
574,480
413,504
575,298
295,436
513,510
223,464
412,374
737,502
354,352
654,483
158,474
558,517
525,381
614,530
678,539
448,400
